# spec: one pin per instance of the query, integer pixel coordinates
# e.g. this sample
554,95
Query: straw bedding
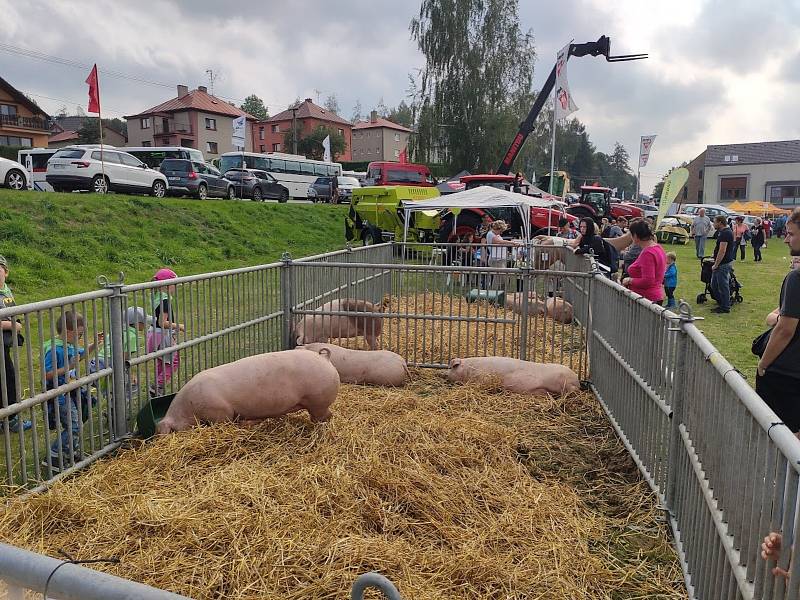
451,491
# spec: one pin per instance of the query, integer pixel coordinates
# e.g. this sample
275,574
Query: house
379,139
64,131
692,191
268,136
194,119
22,122
757,171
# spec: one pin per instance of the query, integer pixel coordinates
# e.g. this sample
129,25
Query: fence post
286,300
116,307
523,325
676,401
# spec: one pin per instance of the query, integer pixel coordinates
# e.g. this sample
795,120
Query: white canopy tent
480,197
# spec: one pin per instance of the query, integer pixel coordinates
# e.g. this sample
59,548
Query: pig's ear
326,352
455,362
299,341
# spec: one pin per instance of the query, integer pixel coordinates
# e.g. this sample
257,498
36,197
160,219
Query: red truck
544,219
395,173
595,203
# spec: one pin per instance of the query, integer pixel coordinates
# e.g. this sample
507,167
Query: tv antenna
211,79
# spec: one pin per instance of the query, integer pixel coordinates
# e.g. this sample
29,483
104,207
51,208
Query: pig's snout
165,426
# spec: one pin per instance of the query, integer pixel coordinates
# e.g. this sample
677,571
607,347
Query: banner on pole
672,186
564,104
237,139
326,149
94,92
644,149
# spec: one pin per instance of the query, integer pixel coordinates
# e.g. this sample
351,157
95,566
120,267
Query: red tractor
596,204
544,219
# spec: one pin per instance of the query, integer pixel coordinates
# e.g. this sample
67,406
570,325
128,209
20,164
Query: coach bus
293,171
153,155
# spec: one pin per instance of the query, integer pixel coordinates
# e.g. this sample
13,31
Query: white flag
564,104
644,149
326,145
237,139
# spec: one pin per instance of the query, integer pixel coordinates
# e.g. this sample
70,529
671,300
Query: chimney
373,116
202,88
182,90
308,100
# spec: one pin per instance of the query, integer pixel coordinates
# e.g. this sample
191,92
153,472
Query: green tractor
376,215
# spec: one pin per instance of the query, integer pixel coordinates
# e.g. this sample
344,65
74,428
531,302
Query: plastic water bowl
493,296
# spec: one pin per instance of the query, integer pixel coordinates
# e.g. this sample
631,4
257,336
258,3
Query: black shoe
720,311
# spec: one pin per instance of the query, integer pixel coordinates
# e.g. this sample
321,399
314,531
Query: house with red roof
379,139
194,119
269,135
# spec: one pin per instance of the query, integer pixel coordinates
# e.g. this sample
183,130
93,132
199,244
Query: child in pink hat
162,331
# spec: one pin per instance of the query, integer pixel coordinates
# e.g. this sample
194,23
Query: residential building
692,192
64,131
22,122
194,119
269,135
758,171
379,139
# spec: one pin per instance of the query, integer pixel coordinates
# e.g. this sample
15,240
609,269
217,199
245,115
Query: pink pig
557,309
256,388
519,376
376,367
321,328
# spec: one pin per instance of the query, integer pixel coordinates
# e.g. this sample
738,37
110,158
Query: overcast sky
720,71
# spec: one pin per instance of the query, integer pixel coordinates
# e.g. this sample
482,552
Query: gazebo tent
481,197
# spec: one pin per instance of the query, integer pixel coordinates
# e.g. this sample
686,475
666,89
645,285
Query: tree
382,109
89,133
332,104
402,115
356,116
256,107
310,145
478,66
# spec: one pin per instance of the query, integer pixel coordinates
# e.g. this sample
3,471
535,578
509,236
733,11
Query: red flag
404,156
94,92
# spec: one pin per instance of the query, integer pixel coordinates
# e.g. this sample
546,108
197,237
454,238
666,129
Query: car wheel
284,196
159,189
202,191
16,180
100,184
257,195
231,193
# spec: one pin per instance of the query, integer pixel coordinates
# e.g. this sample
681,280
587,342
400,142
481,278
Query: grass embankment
733,333
57,244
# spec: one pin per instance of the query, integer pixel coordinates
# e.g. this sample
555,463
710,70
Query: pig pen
451,491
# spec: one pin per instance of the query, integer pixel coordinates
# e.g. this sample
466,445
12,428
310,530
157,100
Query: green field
733,333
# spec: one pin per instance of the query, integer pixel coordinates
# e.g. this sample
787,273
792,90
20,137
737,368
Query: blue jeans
721,285
700,245
70,430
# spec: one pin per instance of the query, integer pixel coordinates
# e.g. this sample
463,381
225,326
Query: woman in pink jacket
646,274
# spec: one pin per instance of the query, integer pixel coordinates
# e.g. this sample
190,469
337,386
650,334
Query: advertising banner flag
237,139
94,92
564,104
644,149
672,185
326,149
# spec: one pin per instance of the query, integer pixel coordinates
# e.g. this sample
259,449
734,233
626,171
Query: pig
557,309
256,388
320,328
376,367
518,376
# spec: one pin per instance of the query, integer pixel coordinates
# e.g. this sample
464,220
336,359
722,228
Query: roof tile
381,122
308,109
196,100
787,151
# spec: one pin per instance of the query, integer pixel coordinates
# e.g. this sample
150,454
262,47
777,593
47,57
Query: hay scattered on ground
450,491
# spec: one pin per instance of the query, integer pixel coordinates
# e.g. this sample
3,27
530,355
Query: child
671,279
61,356
11,338
136,320
160,334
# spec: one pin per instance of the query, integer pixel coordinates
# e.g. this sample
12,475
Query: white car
79,168
13,175
648,209
346,187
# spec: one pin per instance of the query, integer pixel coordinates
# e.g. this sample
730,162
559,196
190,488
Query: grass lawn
733,333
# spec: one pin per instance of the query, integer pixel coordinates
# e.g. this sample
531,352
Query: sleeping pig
557,309
256,388
376,367
519,376
321,328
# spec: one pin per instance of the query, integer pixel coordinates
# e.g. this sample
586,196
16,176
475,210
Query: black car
257,185
190,178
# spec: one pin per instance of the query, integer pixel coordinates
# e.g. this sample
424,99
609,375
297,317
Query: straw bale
452,491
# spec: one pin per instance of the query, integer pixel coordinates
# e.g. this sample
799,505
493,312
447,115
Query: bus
293,171
38,168
152,156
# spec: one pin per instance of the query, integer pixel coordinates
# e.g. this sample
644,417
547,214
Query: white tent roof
479,197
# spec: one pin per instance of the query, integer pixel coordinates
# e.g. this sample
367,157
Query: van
37,170
393,173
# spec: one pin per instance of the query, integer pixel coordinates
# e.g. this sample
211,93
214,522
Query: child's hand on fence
771,550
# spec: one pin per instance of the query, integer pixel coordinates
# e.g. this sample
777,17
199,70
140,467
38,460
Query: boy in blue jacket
671,279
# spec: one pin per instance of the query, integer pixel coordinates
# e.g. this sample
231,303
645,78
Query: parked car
649,209
257,185
192,178
13,175
346,187
80,168
320,190
712,210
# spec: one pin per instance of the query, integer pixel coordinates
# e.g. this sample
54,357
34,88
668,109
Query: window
129,161
109,157
307,168
211,124
685,192
733,188
8,110
320,170
276,129
276,147
785,194
396,137
211,147
700,174
261,134
147,144
65,153
12,140
700,195
262,148
293,166
277,165
144,123
397,153
341,132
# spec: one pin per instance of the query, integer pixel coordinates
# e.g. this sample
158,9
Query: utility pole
294,130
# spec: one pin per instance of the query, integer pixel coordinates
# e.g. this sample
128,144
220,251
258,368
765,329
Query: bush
11,152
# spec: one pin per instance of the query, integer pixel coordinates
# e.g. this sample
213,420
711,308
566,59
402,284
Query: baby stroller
705,276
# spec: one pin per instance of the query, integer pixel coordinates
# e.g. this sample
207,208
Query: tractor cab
501,182
599,198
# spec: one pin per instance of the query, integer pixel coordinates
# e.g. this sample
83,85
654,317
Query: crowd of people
62,355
